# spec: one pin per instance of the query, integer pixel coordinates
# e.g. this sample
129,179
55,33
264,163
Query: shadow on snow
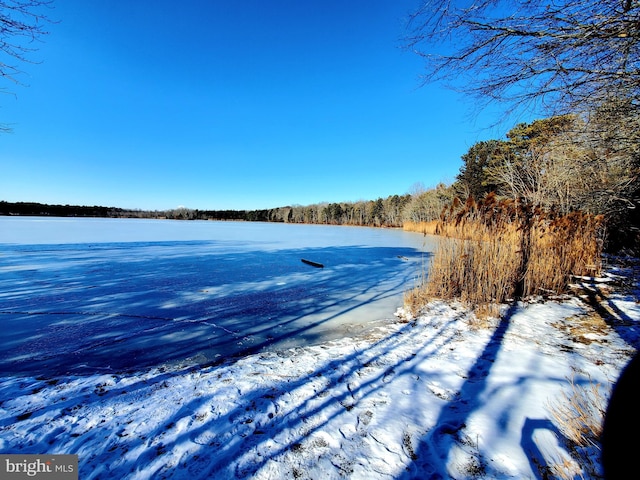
144,310
227,427
232,443
433,455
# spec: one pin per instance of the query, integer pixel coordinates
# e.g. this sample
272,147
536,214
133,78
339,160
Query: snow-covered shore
434,397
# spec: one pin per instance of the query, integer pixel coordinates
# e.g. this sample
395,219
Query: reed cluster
494,251
426,228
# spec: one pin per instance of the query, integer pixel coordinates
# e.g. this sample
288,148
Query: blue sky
225,104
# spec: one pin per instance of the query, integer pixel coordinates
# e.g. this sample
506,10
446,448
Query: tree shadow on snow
433,456
606,308
234,428
238,437
432,453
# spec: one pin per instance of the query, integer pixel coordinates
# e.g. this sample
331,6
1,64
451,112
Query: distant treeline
39,209
388,212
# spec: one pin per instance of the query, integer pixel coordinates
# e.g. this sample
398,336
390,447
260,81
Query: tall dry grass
561,247
426,228
494,251
579,415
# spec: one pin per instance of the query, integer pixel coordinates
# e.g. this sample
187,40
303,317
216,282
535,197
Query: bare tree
571,164
565,55
613,136
429,204
21,25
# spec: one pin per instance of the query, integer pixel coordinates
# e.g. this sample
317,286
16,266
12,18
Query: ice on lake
87,295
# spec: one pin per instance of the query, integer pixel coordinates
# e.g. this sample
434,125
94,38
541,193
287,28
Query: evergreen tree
474,179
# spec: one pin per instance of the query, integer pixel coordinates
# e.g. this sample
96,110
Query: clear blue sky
223,104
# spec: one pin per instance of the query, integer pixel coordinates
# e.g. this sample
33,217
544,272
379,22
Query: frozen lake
91,295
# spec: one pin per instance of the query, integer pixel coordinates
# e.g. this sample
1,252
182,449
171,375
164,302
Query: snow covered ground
433,397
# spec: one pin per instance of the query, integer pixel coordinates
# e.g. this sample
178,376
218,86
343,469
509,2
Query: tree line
564,164
41,209
383,212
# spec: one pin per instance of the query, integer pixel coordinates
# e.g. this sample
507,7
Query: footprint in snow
440,392
364,419
388,375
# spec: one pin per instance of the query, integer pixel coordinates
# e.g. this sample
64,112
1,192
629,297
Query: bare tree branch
565,54
21,25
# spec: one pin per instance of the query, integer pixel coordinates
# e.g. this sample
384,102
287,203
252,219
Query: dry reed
579,416
426,228
494,251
